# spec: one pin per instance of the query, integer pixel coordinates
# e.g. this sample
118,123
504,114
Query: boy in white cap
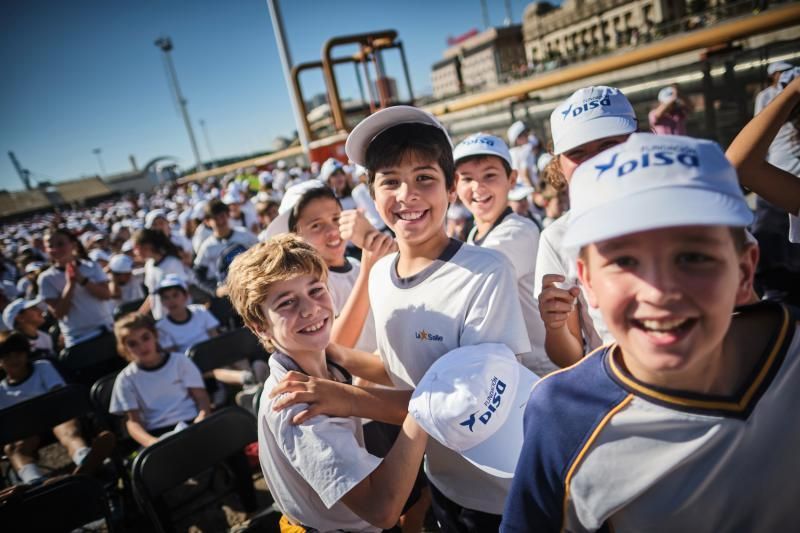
484,179
774,71
26,316
669,117
591,120
687,413
183,324
434,295
124,285
524,148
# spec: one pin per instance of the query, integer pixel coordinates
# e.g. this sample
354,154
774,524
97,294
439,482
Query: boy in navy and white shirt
183,325
681,425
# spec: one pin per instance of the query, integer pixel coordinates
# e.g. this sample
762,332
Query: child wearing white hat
686,413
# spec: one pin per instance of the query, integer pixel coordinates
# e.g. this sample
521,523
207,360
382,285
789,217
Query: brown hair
253,272
130,322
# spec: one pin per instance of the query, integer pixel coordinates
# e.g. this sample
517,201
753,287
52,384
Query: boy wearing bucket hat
664,429
431,297
484,178
591,120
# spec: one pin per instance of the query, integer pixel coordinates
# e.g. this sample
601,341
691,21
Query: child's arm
560,316
748,152
380,497
365,365
133,423
201,400
326,397
350,322
147,305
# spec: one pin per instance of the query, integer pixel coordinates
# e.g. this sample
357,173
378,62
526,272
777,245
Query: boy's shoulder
196,309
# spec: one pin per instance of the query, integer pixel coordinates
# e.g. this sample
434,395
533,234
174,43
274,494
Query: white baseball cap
170,281
666,94
778,66
280,224
16,307
329,168
543,161
589,114
788,76
34,266
472,400
514,131
265,178
650,182
99,255
368,129
120,264
520,192
152,216
482,144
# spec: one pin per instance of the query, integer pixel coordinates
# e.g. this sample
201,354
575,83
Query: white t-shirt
160,394
340,285
522,158
87,315
212,247
43,378
42,342
181,242
180,336
201,233
468,296
517,238
309,467
552,259
154,273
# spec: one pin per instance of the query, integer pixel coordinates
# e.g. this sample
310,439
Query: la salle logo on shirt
428,336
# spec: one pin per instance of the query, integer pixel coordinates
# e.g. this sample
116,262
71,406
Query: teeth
411,215
481,198
663,325
335,243
313,327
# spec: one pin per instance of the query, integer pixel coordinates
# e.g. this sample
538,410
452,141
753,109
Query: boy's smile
318,225
667,296
482,185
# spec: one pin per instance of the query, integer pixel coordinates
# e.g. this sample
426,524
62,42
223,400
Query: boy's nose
660,285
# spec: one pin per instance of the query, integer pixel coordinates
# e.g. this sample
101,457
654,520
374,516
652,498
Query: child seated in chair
24,380
183,324
318,470
159,391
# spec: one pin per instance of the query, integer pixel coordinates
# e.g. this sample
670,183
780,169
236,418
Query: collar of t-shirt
503,215
344,269
159,366
412,281
181,322
29,365
339,372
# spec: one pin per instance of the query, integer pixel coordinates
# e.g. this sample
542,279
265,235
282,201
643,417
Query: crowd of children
529,340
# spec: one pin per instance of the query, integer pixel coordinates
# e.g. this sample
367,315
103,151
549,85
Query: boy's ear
513,176
747,269
586,279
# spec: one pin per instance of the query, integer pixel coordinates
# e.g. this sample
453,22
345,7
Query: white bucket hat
514,131
482,144
651,182
589,114
368,129
472,400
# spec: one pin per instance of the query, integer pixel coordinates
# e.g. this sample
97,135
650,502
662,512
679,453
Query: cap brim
658,208
278,226
369,128
591,130
498,455
518,194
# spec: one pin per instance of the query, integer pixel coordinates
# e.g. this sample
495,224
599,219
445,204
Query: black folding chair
223,310
88,361
63,505
127,307
217,441
224,350
40,414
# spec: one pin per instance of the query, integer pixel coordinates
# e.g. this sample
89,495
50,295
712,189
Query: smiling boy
680,425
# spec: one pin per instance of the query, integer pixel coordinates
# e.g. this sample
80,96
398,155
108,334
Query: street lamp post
208,139
165,44
97,152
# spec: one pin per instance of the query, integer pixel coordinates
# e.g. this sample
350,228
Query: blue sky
85,74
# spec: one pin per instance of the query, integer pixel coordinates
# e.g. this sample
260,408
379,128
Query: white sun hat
482,144
368,129
280,224
651,182
472,400
514,131
589,114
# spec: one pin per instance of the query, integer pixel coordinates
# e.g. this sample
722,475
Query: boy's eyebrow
390,171
617,244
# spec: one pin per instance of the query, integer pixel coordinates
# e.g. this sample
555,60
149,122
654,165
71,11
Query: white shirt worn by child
552,259
42,342
180,336
340,284
309,467
43,378
212,247
517,238
160,394
154,272
467,296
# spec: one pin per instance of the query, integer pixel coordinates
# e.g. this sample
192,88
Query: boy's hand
72,272
376,245
354,226
555,304
323,396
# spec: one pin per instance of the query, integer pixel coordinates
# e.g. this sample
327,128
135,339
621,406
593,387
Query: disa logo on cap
656,156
